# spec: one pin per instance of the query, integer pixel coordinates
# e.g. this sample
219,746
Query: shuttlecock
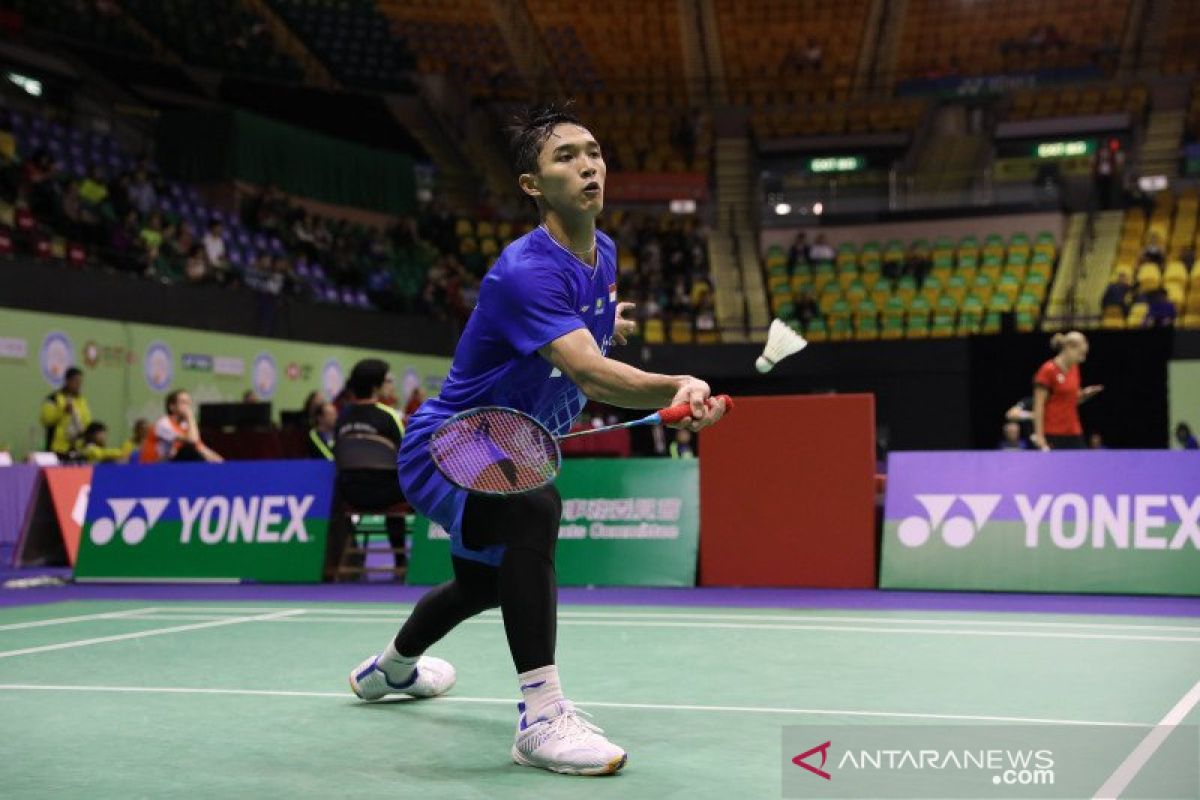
782,342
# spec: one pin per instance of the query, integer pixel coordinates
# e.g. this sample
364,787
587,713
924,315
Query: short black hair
171,398
72,372
530,129
367,376
93,428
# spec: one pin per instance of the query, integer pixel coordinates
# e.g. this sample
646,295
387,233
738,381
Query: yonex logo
132,528
957,531
271,519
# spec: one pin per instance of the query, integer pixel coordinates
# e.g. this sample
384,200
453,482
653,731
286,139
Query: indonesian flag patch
612,292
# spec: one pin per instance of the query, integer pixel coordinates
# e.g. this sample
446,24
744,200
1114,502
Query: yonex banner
261,520
1092,521
625,522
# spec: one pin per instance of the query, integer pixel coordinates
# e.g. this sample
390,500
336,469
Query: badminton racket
495,450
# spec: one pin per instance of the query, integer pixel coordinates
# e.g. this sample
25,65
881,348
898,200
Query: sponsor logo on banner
57,354
264,520
269,519
158,366
332,380
196,362
625,522
1119,521
69,490
13,347
229,366
91,354
264,376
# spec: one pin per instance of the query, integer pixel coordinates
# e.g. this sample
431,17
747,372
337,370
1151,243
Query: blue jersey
536,292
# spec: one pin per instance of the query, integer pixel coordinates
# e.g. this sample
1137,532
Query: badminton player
536,342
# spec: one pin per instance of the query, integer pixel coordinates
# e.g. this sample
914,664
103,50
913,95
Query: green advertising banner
129,369
249,520
626,522
1183,382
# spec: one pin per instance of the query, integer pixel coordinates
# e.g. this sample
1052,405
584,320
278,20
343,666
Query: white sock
397,668
541,690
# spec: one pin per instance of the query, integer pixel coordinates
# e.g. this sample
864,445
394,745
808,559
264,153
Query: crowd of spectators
1161,310
665,270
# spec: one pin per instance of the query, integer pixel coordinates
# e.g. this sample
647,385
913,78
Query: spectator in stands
1011,438
1187,254
1185,437
918,263
151,237
813,55
39,184
195,265
138,435
125,241
821,250
1162,312
798,252
1096,441
214,246
141,193
175,436
65,416
96,449
1118,294
681,445
807,308
367,439
1104,173
1057,395
94,188
1154,250
1022,414
415,398
321,435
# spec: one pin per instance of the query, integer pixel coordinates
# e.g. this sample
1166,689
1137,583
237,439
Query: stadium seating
874,291
1077,101
1173,225
221,34
457,38
353,38
763,42
1180,56
992,36
99,25
802,119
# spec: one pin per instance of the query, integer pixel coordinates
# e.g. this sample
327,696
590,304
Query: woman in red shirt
1057,395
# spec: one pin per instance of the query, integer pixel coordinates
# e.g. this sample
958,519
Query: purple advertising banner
1090,521
17,484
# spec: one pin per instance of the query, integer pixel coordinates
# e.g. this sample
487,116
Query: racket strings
496,451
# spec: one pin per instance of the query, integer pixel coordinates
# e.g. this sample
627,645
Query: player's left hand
624,328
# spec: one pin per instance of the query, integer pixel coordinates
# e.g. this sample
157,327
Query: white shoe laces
570,724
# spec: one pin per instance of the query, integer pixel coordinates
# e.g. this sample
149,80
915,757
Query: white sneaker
567,743
432,677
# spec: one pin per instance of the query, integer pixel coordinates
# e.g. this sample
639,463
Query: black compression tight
524,586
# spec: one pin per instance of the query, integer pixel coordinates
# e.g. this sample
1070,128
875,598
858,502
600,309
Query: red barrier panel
787,493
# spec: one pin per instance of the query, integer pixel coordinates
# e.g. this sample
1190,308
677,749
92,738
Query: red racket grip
682,411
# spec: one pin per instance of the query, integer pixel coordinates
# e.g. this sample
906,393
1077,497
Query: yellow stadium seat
654,332
1149,277
1137,314
681,331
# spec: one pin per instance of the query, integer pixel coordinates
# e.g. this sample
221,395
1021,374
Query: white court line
32,687
401,609
1133,763
143,634
489,620
39,623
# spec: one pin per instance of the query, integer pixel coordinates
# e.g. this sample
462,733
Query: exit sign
1078,147
837,164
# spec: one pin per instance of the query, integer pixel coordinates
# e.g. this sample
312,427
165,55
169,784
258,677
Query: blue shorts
436,498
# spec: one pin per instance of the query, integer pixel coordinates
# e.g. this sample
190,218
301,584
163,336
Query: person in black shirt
366,439
1022,414
321,435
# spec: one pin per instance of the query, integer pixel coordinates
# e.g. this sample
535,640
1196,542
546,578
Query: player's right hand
696,393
